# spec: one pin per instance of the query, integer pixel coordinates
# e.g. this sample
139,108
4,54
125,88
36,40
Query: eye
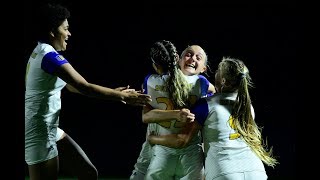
199,58
188,54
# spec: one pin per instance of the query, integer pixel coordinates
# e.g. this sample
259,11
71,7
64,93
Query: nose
194,57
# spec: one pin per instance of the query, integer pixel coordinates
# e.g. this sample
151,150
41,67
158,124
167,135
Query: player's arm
186,134
151,115
211,88
124,89
67,73
72,89
179,140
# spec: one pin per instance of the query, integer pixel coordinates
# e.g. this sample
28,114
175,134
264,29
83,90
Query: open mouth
191,66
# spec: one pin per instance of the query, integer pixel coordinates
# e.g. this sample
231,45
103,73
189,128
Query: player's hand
185,115
135,98
123,88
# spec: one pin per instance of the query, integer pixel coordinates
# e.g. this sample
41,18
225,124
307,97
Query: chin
191,73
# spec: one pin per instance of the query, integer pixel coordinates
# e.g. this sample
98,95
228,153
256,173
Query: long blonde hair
237,74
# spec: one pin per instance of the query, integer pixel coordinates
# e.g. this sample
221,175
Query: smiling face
60,36
193,60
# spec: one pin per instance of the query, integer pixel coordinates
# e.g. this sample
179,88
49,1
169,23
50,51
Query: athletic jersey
168,163
42,103
154,86
225,151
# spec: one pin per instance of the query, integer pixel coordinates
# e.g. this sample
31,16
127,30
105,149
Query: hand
135,98
122,88
185,115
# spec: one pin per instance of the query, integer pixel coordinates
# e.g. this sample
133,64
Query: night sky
109,46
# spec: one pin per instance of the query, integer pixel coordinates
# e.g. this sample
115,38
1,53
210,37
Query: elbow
146,118
84,88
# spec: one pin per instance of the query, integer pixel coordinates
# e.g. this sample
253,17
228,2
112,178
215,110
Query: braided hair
163,53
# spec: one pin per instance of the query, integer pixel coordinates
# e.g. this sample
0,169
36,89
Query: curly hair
51,16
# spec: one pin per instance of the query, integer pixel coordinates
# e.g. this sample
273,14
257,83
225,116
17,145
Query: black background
109,46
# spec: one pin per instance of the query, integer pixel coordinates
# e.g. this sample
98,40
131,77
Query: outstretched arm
72,89
179,140
67,73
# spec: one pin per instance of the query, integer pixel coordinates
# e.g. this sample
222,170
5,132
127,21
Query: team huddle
197,128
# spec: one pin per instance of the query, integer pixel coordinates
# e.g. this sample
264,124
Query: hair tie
242,75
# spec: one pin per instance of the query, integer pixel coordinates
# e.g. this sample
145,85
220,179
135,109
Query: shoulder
201,77
152,78
46,48
156,77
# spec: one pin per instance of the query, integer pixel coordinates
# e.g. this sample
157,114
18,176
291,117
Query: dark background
109,46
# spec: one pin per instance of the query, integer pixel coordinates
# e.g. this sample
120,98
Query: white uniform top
154,86
225,151
42,103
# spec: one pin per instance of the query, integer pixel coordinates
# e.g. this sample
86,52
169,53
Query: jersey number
169,106
231,123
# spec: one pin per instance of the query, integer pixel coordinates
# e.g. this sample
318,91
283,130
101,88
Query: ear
157,68
154,67
204,69
223,82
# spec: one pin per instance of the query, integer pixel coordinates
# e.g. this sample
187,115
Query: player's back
154,85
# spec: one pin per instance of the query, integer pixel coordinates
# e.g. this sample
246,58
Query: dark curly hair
50,17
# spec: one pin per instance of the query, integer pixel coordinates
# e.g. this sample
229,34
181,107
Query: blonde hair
237,74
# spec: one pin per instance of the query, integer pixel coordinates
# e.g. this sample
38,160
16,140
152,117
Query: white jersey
154,86
167,163
225,151
42,103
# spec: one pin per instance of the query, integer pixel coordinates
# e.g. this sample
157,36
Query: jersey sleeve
145,84
204,86
51,61
201,110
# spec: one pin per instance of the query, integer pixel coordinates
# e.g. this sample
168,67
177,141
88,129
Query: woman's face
193,61
60,37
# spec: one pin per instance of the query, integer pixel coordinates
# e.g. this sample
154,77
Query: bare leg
73,160
45,170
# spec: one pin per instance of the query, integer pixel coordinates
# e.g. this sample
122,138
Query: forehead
196,50
65,23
